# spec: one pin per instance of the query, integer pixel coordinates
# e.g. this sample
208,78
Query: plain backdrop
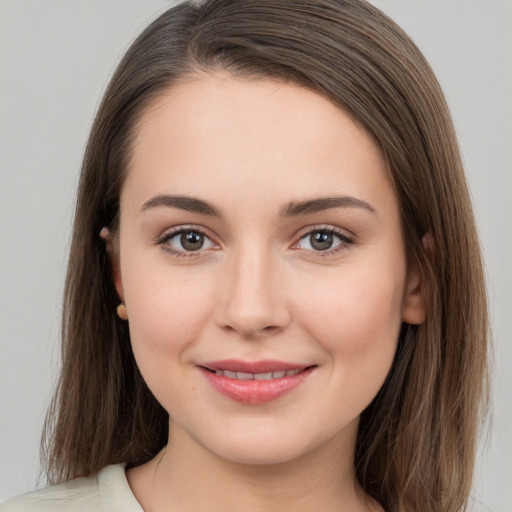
56,57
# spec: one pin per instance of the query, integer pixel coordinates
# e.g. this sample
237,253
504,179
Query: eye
186,240
323,240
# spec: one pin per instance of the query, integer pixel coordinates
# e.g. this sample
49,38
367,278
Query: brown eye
192,240
322,240
187,240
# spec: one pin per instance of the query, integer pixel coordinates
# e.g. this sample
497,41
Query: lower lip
255,392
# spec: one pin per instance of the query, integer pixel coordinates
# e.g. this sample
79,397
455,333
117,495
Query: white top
108,491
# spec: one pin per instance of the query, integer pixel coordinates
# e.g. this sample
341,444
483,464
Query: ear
113,255
414,309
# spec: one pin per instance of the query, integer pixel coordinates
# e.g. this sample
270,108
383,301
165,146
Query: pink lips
254,383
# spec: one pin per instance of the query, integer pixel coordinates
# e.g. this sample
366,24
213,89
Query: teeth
256,376
244,376
263,376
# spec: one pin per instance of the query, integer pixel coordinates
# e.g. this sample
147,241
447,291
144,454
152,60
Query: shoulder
108,491
72,495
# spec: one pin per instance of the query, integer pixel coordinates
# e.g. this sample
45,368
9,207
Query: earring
121,311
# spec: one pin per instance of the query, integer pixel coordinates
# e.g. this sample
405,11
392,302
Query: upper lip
264,366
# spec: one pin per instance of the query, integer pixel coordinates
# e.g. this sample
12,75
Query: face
262,264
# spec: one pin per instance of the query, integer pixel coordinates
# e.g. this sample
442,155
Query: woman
267,303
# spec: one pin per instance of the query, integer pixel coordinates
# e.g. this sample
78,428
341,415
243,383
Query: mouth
256,376
255,382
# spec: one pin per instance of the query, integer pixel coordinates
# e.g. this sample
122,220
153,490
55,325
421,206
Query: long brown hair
416,443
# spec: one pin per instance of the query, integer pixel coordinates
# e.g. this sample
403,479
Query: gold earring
121,311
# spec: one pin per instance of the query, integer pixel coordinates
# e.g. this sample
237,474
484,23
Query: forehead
215,134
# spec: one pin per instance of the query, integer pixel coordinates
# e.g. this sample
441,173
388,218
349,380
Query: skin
258,289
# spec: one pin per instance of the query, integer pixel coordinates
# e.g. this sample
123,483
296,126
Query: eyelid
325,227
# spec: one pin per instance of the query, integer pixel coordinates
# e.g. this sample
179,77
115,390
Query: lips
254,382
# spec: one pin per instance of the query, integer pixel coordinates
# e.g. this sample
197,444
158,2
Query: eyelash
345,240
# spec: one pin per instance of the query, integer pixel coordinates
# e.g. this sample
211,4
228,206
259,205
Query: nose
252,299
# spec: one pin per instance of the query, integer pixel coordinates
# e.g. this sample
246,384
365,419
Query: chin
263,445
261,454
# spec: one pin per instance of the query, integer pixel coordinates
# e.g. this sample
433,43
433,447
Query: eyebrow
190,204
293,209
324,203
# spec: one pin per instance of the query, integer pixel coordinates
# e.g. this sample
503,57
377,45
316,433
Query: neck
192,478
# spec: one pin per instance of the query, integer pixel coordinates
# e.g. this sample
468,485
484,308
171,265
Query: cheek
358,327
166,313
164,323
357,321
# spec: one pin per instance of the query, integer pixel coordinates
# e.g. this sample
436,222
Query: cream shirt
108,491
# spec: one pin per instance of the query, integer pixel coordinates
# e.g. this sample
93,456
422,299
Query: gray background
55,59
